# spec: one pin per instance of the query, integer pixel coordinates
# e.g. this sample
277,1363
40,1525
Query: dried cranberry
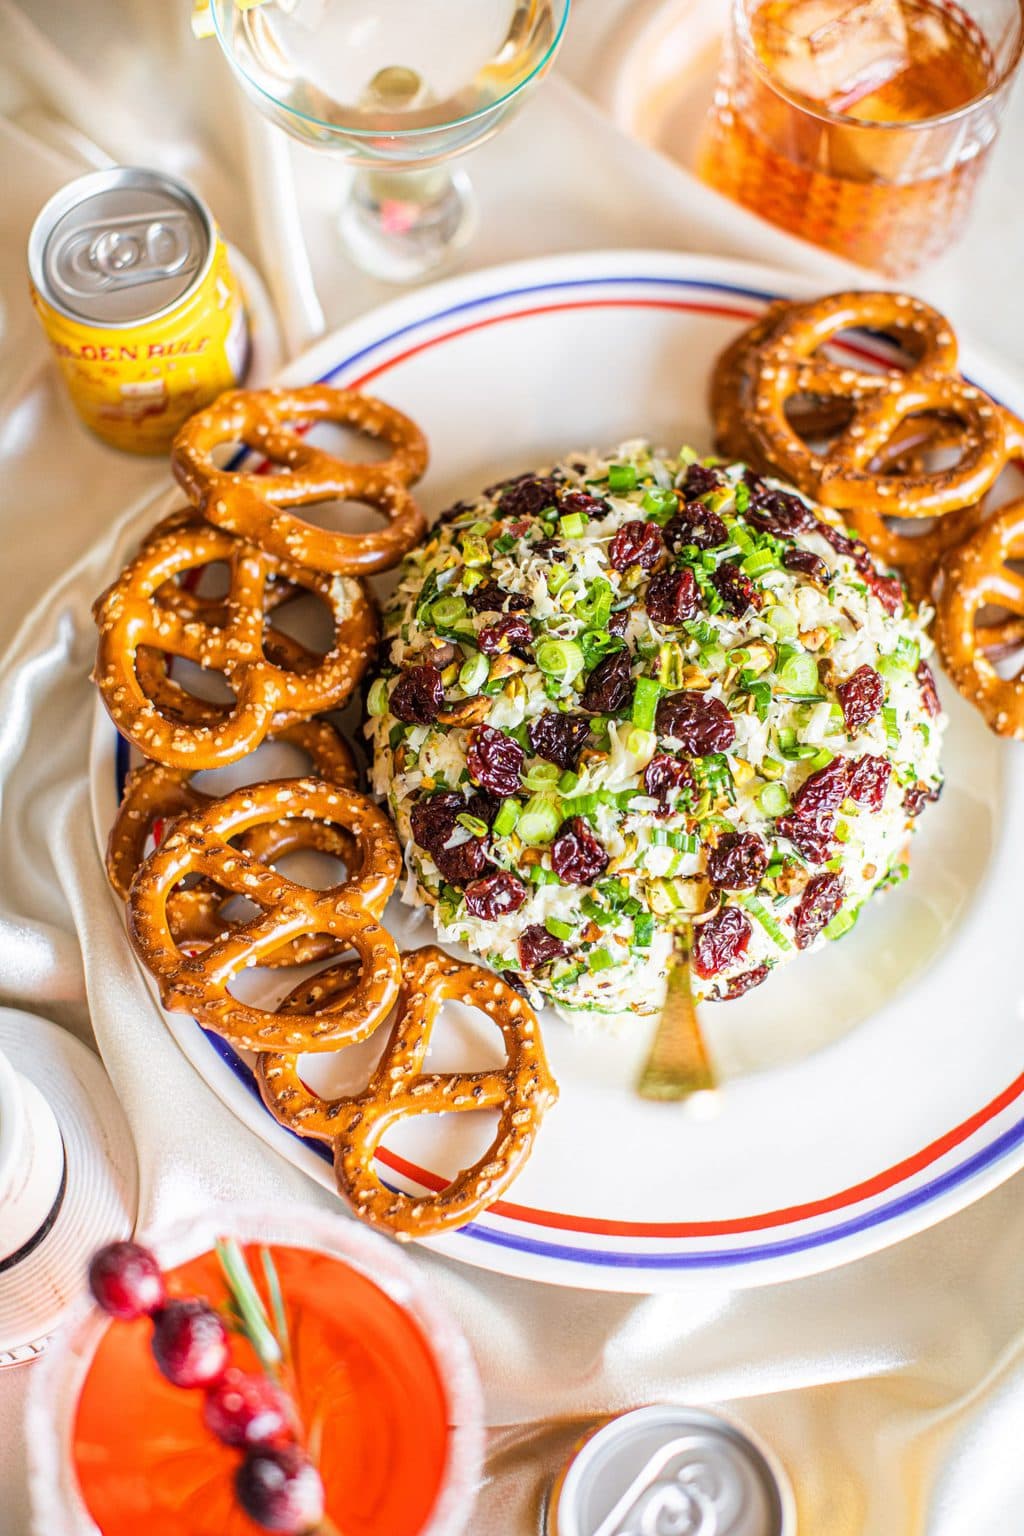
778,512
665,774
700,479
527,496
888,590
609,688
483,806
636,543
918,796
821,900
929,691
618,622
720,941
746,981
700,723
807,563
489,597
672,596
495,896
861,697
825,790
594,507
869,781
695,525
576,855
739,861
537,947
736,589
495,761
559,738
417,696
434,823
843,545
811,836
511,633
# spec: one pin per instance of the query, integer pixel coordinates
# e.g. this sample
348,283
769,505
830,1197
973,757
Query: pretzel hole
442,1143
343,442
306,618
202,683
344,515
464,1039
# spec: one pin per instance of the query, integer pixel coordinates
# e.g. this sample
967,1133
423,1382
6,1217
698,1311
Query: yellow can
131,281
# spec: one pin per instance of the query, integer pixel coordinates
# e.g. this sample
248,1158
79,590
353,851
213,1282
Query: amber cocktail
862,125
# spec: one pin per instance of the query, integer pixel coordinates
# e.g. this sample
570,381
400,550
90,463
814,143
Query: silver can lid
120,246
672,1469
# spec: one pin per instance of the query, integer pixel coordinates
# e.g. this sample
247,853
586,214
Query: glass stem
408,224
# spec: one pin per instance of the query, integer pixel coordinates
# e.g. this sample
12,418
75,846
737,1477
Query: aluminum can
131,280
675,1470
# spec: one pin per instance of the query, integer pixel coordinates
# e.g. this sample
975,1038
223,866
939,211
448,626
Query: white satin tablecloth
893,1389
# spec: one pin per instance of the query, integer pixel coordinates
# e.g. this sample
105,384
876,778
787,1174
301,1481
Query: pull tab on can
672,1469
133,249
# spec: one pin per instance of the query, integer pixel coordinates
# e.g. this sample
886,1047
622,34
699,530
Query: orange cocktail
376,1374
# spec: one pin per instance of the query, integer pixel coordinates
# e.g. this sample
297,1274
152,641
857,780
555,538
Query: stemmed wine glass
396,88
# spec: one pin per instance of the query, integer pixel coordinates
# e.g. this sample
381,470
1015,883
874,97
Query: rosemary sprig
248,1305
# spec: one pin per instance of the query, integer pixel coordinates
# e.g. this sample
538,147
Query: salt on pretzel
132,621
204,844
781,363
521,1091
154,796
250,504
978,577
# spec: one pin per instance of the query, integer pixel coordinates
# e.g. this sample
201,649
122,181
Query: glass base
402,226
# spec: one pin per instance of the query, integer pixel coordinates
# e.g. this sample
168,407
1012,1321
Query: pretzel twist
155,795
521,1091
132,622
979,576
250,504
776,363
349,913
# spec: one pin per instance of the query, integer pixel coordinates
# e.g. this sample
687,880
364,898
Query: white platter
868,1091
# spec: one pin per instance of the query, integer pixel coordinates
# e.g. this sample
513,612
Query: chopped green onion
622,477
568,781
771,768
759,562
600,960
572,525
645,703
557,578
566,977
908,652
558,929
842,832
843,921
508,815
447,611
741,497
657,501
670,664
774,799
474,672
892,730
542,775
781,621
891,669
821,758
541,876
595,607
799,673
396,735
597,914
377,698
643,930
561,659
539,820
760,912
